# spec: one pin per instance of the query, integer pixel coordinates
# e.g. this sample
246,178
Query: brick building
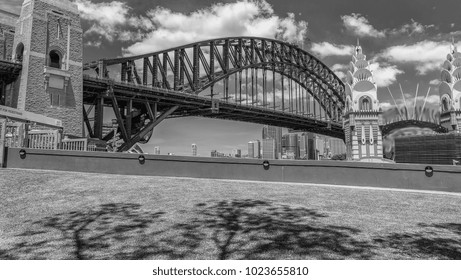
48,41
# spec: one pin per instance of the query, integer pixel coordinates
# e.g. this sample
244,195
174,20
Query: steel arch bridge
240,78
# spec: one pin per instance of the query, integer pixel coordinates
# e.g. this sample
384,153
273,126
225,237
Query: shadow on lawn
111,231
434,241
256,229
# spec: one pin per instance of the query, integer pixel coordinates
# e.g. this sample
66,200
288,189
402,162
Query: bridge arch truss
260,73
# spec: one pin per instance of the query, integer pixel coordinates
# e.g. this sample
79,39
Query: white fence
14,136
80,144
44,139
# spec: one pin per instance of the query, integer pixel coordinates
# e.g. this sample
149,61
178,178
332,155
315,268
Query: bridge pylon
48,43
362,120
450,91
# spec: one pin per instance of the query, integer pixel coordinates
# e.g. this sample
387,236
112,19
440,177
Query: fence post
2,140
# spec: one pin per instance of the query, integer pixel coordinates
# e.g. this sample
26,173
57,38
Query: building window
56,99
19,52
58,27
445,104
54,59
365,104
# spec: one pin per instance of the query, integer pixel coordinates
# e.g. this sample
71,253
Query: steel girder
96,89
195,67
172,80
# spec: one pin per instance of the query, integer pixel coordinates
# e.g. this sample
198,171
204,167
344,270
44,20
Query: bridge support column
98,117
148,128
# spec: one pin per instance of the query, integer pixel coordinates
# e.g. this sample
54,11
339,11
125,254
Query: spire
358,48
453,47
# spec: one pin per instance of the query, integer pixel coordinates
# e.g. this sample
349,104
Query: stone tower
363,115
450,91
48,41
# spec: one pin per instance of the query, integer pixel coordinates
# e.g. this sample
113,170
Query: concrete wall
406,176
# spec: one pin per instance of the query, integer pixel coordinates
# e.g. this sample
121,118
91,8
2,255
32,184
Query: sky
406,42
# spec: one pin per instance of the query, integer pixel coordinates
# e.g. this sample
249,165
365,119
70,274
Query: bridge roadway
194,105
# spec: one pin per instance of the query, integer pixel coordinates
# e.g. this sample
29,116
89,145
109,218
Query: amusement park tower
450,91
363,115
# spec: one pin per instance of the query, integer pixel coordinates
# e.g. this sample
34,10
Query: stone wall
45,26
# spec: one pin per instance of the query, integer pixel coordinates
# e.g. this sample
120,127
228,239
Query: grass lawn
64,215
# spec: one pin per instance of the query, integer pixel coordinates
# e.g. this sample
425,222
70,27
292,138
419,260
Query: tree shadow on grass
111,231
256,229
433,241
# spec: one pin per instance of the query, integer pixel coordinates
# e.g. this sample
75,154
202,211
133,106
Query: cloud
434,82
384,75
328,49
386,105
339,69
432,99
426,55
108,19
411,28
95,44
240,18
360,26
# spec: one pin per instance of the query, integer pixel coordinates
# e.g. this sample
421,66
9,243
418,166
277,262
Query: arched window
54,59
19,52
445,104
365,104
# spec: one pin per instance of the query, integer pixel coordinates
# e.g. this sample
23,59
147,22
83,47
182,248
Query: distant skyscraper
274,132
251,150
304,146
336,146
194,150
254,148
268,148
290,145
156,150
237,153
311,146
214,153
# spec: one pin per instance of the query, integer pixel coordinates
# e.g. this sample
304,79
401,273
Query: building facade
254,149
450,91
362,120
194,150
269,148
290,146
274,132
303,146
48,42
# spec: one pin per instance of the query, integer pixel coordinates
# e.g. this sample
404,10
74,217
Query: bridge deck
193,105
